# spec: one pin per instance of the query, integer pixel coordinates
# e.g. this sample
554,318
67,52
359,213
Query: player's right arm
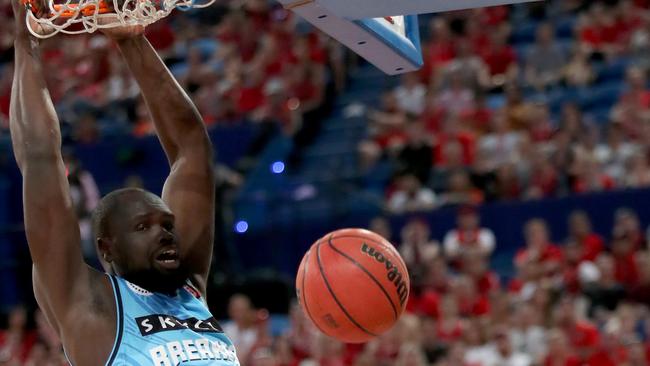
62,281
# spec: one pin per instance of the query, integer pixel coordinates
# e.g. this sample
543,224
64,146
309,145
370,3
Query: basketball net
87,16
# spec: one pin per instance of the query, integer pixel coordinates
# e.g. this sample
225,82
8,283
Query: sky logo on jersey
156,323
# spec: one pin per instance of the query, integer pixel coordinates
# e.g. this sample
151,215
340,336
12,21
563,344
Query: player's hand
120,32
20,21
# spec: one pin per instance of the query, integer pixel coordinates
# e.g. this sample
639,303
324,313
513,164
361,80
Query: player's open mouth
168,257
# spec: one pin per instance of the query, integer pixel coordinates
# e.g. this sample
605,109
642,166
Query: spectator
301,332
578,71
546,60
640,292
450,326
544,179
85,197
640,45
243,329
457,97
411,196
470,302
439,50
582,335
587,177
623,253
411,94
614,155
559,351
540,257
386,124
626,222
576,272
468,236
500,59
502,354
467,70
516,109
637,173
591,244
572,122
417,248
16,341
501,144
527,334
606,293
632,107
381,226
460,190
416,156
599,34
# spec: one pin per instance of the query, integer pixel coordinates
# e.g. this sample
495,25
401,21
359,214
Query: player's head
136,240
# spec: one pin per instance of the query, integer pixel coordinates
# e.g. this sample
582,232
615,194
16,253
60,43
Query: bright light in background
241,227
277,167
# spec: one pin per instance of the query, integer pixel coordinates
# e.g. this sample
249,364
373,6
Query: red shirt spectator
499,58
250,98
467,140
495,15
540,258
590,243
626,269
476,306
550,252
625,264
440,50
583,335
427,304
451,332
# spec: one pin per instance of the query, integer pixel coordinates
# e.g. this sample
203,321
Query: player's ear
105,249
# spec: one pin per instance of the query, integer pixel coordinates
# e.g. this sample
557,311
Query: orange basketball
353,285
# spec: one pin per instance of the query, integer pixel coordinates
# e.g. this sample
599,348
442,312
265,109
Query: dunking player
148,308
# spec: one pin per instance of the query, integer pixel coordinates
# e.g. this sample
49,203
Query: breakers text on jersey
176,352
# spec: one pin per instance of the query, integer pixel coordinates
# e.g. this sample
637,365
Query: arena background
534,111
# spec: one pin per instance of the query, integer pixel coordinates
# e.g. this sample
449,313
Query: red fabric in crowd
592,245
626,270
499,60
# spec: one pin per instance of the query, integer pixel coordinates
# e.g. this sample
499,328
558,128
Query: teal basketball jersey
159,330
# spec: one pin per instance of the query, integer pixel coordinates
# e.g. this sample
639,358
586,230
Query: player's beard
156,280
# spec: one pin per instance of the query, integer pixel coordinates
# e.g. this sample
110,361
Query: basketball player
148,308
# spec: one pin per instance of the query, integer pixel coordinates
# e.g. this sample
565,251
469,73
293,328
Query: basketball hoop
87,16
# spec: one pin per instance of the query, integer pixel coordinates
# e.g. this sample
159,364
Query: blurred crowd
239,60
480,122
582,301
585,301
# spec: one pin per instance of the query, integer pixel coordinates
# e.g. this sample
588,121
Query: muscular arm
50,223
189,189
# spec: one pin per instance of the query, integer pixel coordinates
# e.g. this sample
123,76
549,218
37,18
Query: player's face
147,250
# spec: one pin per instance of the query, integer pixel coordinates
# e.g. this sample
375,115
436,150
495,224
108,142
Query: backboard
384,32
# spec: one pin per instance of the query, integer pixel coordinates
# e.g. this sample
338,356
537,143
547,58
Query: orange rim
87,10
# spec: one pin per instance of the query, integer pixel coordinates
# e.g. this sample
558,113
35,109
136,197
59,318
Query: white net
87,16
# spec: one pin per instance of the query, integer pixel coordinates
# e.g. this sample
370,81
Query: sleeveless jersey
159,330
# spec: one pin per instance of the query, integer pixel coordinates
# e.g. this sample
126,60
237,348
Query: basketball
353,284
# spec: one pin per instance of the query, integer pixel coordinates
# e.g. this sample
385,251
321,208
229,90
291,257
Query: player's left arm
189,189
